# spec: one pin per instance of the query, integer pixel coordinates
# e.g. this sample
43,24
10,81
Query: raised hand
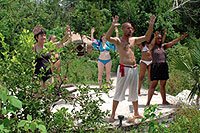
156,34
115,21
152,19
92,30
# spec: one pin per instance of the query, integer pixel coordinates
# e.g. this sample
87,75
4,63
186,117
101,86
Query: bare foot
138,116
111,120
131,120
166,103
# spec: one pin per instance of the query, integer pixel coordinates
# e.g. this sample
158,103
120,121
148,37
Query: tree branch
178,6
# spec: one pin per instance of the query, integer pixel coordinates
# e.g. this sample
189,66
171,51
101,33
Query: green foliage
190,64
93,118
150,122
17,58
82,70
187,120
31,125
87,15
25,92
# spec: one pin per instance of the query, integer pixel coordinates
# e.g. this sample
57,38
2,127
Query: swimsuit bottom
104,61
146,62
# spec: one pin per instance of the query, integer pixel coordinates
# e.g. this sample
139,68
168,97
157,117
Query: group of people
44,66
153,60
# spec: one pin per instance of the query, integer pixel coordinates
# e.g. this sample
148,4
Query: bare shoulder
115,40
132,40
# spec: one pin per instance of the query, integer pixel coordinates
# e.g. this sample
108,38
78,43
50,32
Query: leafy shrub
34,103
82,70
187,119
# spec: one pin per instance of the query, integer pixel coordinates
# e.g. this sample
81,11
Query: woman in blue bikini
104,59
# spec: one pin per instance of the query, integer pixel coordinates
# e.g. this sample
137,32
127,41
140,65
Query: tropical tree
190,63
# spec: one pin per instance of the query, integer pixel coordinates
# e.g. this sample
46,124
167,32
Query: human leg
149,77
43,84
136,112
57,65
151,90
100,73
163,91
108,70
143,68
133,95
119,93
114,107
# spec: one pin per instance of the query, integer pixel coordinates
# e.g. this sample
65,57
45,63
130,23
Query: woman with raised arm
145,62
104,59
43,59
56,62
159,66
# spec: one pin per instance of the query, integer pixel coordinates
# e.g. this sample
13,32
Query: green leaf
42,128
15,102
29,117
4,111
33,126
3,96
1,127
181,65
21,123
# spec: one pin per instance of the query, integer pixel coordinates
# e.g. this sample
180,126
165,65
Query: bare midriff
146,56
105,55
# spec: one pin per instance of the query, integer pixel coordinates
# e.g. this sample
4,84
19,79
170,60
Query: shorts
128,80
45,73
159,71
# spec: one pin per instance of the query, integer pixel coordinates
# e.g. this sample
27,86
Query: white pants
129,80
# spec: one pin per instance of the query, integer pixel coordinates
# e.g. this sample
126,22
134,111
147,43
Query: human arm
92,33
152,44
117,32
147,36
67,37
114,24
170,44
86,40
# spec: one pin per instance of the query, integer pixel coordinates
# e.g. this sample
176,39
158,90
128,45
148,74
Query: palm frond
195,90
195,55
181,65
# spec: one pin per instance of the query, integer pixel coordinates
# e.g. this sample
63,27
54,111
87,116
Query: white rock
183,97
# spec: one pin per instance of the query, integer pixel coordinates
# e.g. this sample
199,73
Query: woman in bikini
104,59
145,62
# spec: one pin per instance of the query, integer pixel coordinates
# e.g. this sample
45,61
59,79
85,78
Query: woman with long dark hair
146,60
159,66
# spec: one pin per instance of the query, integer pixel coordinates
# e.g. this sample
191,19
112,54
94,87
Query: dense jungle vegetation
22,111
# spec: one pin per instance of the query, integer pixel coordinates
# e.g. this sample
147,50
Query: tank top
158,55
